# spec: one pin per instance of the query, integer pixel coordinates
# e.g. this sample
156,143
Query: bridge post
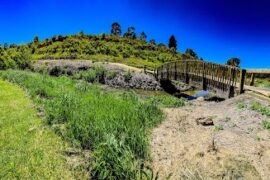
175,71
186,73
242,80
204,79
252,79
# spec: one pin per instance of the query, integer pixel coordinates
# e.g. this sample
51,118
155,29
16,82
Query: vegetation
28,150
172,42
190,54
264,110
218,127
113,126
266,124
234,62
262,82
127,49
15,57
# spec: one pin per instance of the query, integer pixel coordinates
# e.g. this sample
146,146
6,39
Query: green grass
28,150
262,82
113,126
266,124
264,110
218,127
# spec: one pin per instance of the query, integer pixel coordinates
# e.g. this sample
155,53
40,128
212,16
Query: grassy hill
102,47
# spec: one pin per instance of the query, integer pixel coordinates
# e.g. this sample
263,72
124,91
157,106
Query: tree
130,33
234,62
152,42
116,29
172,42
81,34
36,39
190,53
143,36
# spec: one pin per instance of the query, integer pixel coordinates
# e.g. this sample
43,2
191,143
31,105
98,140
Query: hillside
108,48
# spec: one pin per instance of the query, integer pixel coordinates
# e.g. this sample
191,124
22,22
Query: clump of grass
111,75
218,127
167,101
114,127
241,105
96,74
266,124
264,110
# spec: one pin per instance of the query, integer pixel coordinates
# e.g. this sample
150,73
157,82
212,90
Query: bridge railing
209,75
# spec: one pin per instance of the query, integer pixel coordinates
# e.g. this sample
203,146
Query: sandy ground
235,147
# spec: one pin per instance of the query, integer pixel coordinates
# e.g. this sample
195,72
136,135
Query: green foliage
96,74
127,76
116,29
241,105
218,127
167,101
172,42
111,75
17,57
234,62
266,124
143,36
264,110
113,126
130,33
191,54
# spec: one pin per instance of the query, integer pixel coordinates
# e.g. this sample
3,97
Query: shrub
127,76
111,75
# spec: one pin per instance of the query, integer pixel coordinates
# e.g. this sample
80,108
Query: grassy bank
28,150
113,126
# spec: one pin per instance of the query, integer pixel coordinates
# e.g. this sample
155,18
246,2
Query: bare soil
235,147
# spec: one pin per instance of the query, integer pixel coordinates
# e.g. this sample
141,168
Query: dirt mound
234,147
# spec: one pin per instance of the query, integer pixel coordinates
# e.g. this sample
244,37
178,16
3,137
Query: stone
205,121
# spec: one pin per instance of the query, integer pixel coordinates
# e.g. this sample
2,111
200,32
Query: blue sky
215,29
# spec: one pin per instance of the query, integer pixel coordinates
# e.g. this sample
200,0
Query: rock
205,121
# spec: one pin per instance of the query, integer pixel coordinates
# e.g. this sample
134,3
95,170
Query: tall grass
113,126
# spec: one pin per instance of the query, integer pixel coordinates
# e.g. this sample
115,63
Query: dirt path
235,147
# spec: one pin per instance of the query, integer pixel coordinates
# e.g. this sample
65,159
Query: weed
218,127
264,110
241,105
266,124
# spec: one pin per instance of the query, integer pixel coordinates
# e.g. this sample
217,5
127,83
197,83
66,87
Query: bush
111,75
127,76
96,74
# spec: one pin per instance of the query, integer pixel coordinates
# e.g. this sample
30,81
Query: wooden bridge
225,81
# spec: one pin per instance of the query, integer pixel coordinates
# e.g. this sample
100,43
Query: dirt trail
236,147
